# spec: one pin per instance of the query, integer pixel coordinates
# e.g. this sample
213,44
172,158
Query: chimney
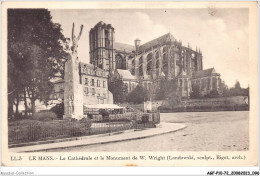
137,44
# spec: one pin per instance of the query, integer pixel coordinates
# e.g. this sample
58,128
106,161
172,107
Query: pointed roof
125,74
165,38
160,40
204,73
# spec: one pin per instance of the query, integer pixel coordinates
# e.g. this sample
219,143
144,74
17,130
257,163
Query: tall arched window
133,67
141,70
145,86
149,63
165,70
157,60
141,66
214,83
106,39
165,64
164,49
208,85
204,84
120,62
185,84
165,60
141,60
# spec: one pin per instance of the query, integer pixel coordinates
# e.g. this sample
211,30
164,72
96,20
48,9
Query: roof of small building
103,106
124,47
91,66
204,73
125,74
183,74
57,80
86,65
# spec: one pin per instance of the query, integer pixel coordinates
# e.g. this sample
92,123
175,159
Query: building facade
207,80
95,85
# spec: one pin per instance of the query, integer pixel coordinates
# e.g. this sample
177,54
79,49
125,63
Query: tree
119,90
58,109
138,95
14,88
37,50
237,85
223,89
161,91
174,99
212,94
165,89
236,90
195,93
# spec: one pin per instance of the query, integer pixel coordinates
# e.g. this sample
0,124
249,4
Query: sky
221,36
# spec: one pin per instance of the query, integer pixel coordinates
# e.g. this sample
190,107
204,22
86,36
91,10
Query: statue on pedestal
74,47
75,40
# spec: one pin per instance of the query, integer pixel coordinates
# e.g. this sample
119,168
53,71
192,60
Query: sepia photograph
115,80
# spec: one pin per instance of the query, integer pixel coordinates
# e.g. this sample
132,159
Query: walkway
162,128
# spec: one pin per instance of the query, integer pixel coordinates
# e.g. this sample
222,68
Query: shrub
105,115
133,123
45,116
213,94
145,118
75,129
58,109
138,95
34,131
86,122
119,90
195,93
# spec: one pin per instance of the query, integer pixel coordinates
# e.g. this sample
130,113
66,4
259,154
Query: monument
73,91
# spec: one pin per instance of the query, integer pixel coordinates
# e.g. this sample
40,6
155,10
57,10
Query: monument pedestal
73,90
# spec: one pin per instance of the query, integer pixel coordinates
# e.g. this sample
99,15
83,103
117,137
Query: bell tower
101,43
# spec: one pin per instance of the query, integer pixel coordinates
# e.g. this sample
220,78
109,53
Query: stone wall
236,103
236,100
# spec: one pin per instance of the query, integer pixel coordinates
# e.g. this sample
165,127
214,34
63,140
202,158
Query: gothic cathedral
143,63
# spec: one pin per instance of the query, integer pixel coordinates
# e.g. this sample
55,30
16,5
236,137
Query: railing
34,130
